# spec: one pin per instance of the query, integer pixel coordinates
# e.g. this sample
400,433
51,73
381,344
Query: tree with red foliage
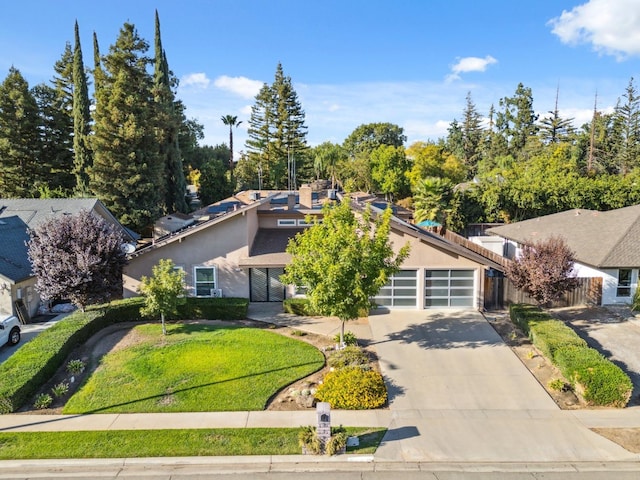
77,257
544,270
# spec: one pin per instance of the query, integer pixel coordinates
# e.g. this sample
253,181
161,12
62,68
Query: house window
624,283
205,281
286,222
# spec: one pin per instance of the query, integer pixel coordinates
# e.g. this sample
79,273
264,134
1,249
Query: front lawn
167,443
195,367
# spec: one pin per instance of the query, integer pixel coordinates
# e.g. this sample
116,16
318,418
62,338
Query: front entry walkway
458,393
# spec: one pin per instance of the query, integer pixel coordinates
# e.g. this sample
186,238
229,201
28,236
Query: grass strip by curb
167,443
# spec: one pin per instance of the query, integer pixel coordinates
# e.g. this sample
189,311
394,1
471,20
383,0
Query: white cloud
470,64
612,27
242,86
196,79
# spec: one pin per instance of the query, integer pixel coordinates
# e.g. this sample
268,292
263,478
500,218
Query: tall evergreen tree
517,121
277,132
83,156
20,172
554,128
626,134
127,170
472,134
169,119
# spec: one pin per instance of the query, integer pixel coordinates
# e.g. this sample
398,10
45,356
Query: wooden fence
499,292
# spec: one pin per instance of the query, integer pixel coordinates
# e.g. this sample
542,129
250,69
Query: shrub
308,440
297,306
213,309
348,357
600,381
350,338
337,443
352,388
60,389
43,400
75,367
556,384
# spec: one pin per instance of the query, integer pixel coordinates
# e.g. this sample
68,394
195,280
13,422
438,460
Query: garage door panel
449,288
400,291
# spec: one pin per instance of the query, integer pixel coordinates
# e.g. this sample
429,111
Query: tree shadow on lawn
195,387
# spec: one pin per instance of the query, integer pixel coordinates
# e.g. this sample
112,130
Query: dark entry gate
265,285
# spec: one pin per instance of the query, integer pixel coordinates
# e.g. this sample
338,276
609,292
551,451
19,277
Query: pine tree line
127,153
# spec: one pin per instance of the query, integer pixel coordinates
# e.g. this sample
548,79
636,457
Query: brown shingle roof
601,239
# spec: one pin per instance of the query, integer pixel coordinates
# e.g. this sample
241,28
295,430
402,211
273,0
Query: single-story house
17,283
240,252
606,245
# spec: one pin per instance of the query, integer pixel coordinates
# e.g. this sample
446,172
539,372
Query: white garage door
400,291
449,288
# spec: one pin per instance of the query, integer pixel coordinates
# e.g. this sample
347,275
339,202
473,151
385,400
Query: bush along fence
596,379
37,361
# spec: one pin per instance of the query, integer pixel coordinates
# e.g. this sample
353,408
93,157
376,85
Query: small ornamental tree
163,292
343,261
77,257
544,270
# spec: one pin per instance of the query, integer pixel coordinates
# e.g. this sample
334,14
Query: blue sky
352,62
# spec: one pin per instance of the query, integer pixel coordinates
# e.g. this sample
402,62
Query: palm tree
432,199
232,121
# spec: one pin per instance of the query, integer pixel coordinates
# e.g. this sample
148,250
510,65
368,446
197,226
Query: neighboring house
17,216
606,245
239,251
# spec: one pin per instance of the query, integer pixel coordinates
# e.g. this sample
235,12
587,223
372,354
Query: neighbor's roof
34,211
600,239
14,262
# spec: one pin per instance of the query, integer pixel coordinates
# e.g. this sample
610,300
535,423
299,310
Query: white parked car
10,331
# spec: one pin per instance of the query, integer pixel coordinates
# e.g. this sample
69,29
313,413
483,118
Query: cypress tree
83,157
169,119
127,170
20,173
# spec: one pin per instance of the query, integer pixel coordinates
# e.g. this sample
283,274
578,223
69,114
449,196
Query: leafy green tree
169,119
83,156
430,160
78,257
214,184
163,291
388,170
20,172
544,270
326,158
343,261
367,137
127,168
231,121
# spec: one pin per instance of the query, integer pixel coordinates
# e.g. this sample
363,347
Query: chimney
291,201
306,196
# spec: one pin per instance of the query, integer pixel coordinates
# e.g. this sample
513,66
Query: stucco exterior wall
220,245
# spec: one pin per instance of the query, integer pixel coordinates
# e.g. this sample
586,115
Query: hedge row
37,361
598,380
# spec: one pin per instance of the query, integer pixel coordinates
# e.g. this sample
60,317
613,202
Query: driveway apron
458,393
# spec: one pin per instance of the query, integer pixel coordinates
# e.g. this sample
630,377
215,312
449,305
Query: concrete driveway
457,393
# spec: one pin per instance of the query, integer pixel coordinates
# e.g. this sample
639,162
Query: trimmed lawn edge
168,443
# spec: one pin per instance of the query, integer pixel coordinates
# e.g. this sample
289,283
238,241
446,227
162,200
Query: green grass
195,368
167,443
